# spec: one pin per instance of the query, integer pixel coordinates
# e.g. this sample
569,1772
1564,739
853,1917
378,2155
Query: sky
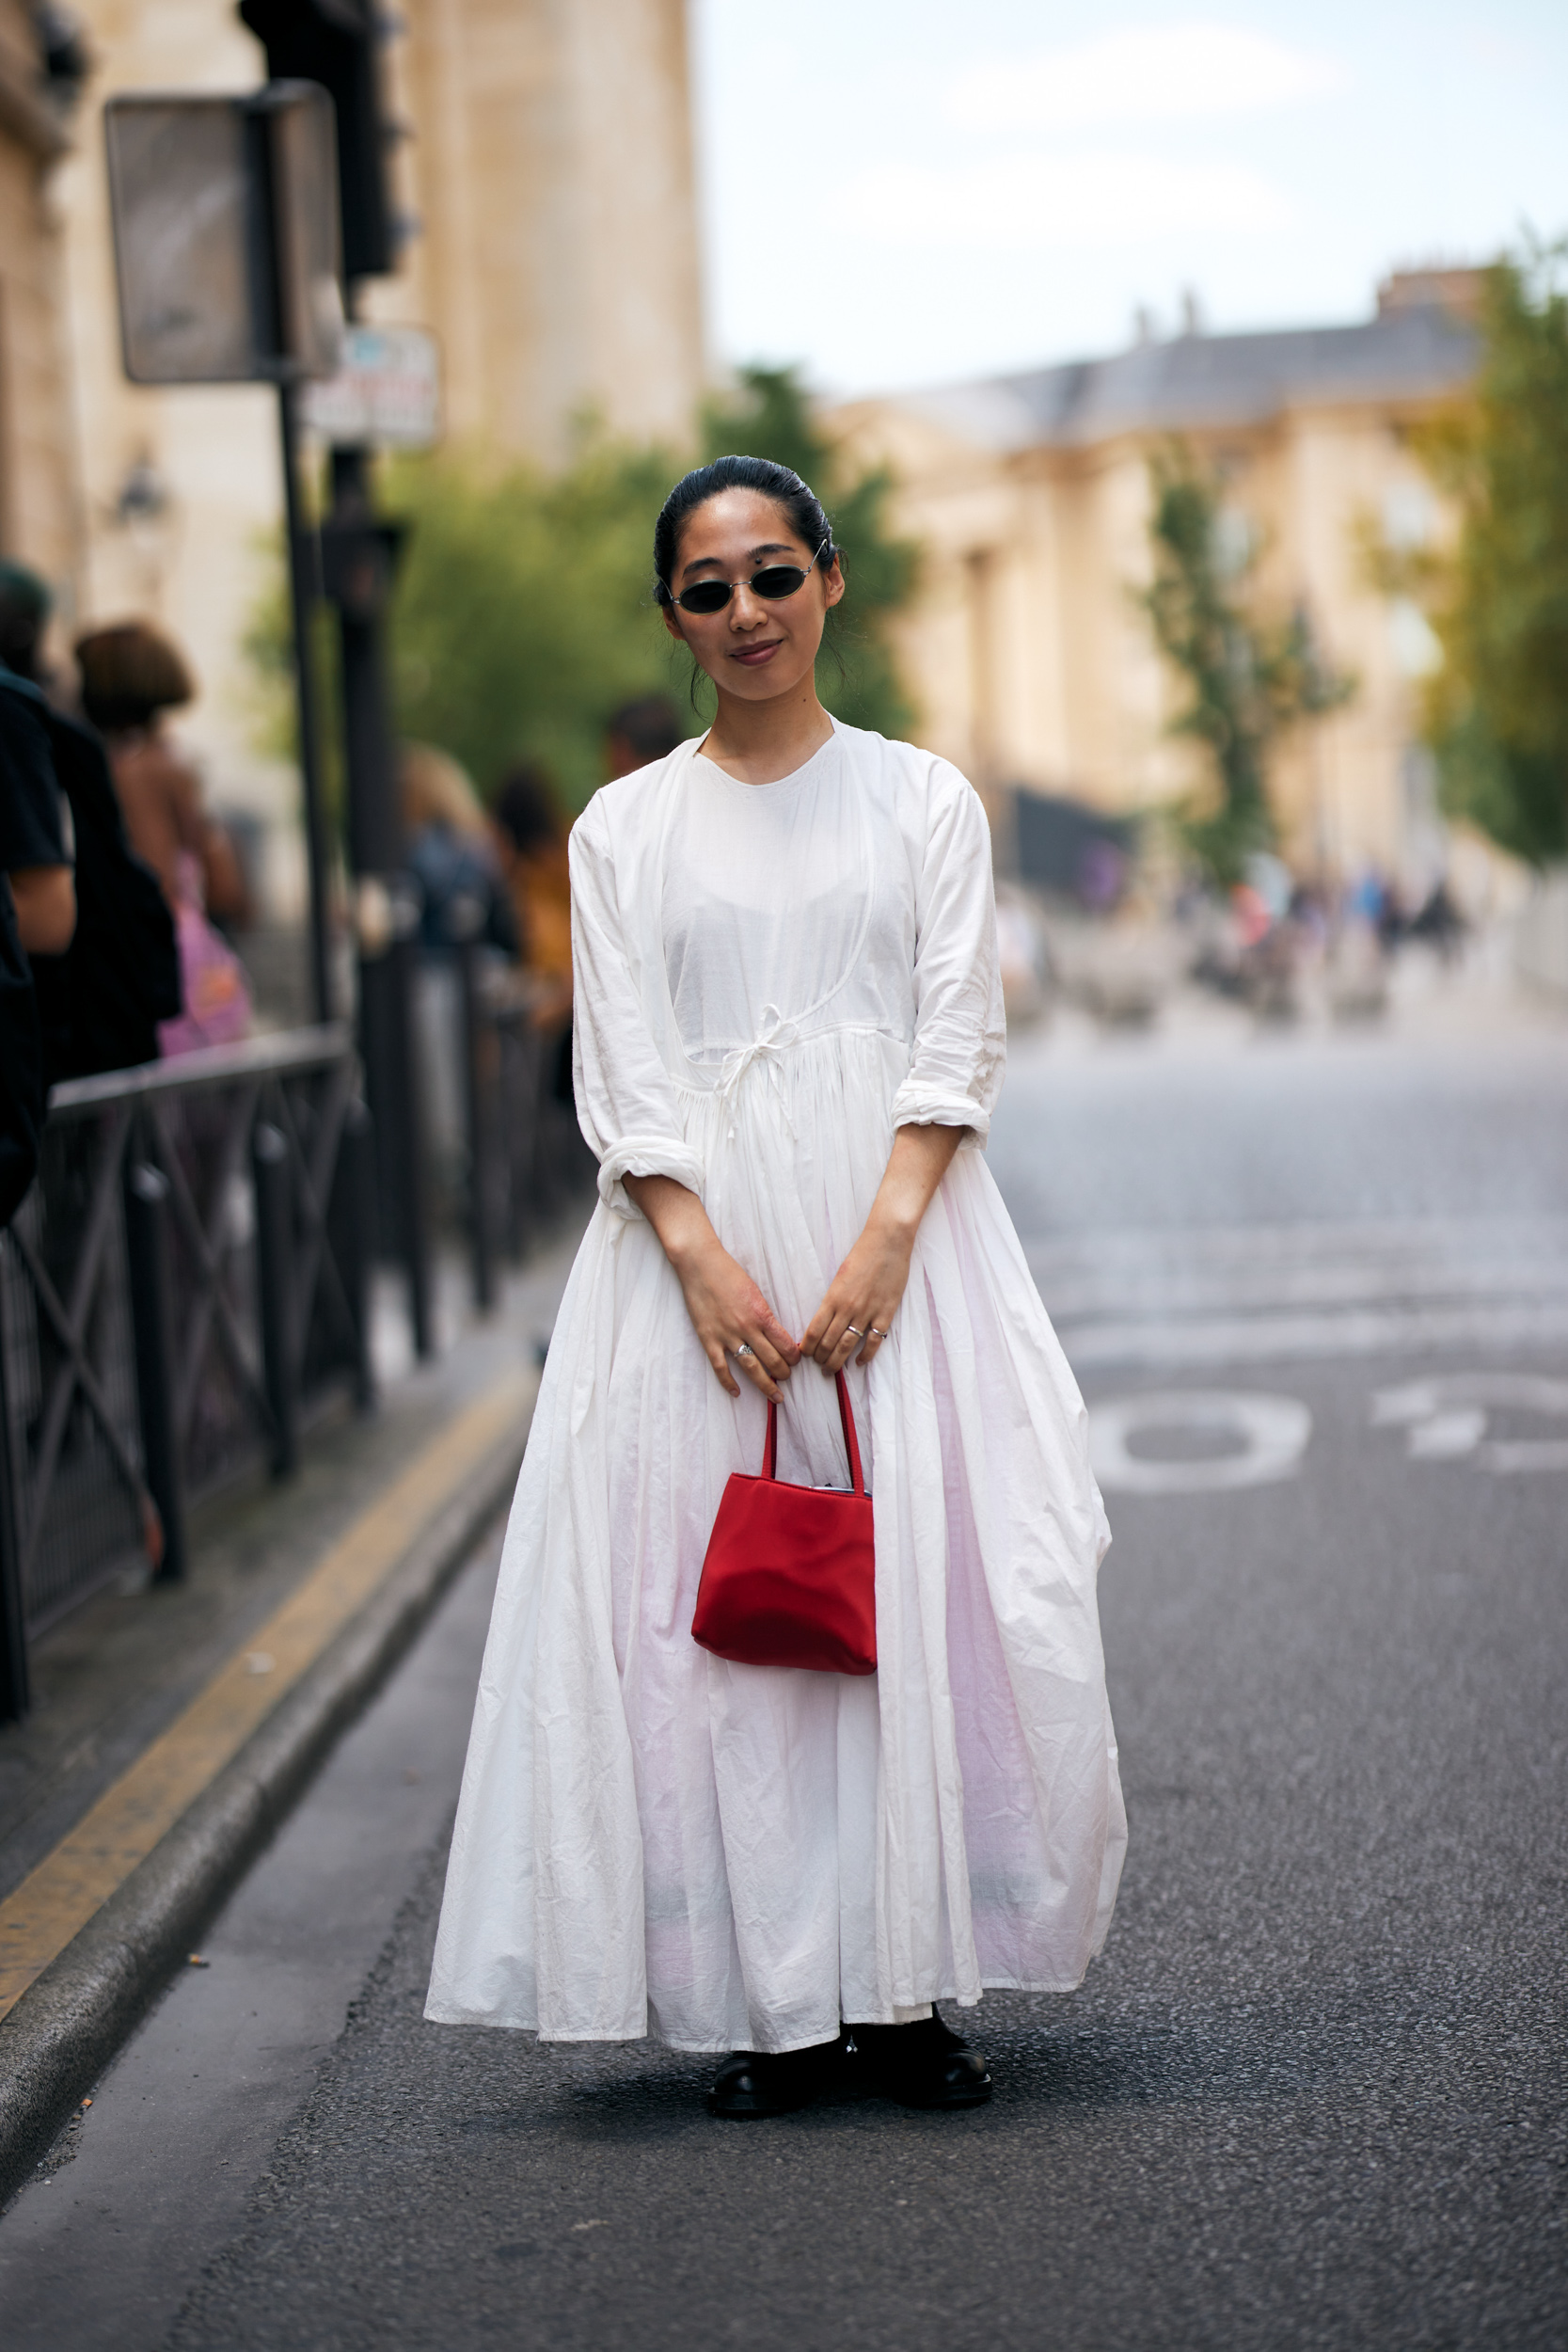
902,192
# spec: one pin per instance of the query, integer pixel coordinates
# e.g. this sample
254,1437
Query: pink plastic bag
211,980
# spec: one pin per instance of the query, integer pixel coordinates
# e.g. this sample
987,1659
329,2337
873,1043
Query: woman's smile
754,656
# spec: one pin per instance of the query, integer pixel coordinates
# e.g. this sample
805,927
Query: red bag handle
852,1443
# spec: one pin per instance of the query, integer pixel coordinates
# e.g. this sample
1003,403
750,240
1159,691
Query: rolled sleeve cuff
646,1156
916,1106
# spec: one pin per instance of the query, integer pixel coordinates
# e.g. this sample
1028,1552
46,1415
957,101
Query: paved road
1312,2095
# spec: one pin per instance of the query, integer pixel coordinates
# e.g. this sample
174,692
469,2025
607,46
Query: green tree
1496,711
1246,678
523,610
770,416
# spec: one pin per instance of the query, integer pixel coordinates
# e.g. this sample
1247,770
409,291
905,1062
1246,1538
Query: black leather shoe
758,2082
923,2065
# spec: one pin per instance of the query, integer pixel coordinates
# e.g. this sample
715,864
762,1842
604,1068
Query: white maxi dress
771,979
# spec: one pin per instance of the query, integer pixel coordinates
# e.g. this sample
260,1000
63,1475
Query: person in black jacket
37,899
101,993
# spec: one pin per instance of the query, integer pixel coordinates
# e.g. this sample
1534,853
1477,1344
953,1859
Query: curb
74,2017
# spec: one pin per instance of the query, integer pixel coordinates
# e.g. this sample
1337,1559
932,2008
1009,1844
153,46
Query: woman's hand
726,1305
863,1296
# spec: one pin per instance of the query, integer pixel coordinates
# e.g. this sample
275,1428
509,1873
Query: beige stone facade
1026,651
548,175
40,516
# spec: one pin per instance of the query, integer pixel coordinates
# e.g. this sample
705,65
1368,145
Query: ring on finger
744,1350
850,1332
874,1334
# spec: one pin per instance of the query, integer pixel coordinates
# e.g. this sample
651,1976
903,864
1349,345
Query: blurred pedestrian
463,896
103,990
530,834
33,849
38,898
789,1022
1438,921
464,917
640,732
132,676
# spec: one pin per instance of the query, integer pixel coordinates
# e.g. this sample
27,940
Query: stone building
550,181
545,181
1026,649
40,512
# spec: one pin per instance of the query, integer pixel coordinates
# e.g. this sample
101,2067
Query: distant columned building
1026,651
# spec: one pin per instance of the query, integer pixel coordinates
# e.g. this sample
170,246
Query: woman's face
750,648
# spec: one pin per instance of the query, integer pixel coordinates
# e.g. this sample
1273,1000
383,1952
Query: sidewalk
173,1726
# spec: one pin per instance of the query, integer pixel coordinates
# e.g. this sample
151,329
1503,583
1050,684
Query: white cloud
1030,202
1147,74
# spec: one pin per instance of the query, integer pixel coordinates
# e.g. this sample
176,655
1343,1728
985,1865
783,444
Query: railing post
480,1129
15,1693
517,1122
274,1256
351,1235
146,1189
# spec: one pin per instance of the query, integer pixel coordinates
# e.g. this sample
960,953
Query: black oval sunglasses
772,584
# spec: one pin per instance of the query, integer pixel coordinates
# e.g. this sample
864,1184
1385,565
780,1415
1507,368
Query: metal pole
358,551
147,1258
274,1256
351,1226
15,1694
478,1043
302,572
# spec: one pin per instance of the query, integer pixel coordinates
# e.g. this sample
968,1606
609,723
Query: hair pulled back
800,505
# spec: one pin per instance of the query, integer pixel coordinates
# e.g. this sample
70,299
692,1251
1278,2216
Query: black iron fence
508,1156
185,1285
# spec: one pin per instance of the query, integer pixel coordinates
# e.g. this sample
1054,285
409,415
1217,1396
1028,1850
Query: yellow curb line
55,1900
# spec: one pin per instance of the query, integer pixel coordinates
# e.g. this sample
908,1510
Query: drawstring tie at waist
771,1041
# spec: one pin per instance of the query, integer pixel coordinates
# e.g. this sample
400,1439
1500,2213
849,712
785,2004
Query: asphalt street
1311,2094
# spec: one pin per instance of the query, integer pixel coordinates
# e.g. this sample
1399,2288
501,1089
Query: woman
530,838
132,675
789,1043
463,896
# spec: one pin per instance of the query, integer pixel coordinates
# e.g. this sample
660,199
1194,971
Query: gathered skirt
653,1840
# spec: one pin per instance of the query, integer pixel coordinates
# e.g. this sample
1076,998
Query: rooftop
1411,349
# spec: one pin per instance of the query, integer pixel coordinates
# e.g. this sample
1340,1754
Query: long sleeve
961,1039
626,1105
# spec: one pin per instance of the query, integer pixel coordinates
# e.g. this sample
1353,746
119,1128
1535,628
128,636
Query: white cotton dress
771,979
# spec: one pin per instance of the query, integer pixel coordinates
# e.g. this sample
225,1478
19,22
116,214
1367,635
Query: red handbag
789,1579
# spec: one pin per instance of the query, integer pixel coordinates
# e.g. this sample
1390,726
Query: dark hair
25,602
800,505
651,726
129,674
526,807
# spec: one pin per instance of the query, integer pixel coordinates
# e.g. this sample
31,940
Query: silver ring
875,1334
852,1332
744,1350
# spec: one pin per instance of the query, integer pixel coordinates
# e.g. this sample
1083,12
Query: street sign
226,234
387,392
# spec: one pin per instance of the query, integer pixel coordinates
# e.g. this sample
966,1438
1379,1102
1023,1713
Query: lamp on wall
144,495
144,507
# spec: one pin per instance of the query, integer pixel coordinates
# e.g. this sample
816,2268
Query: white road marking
1270,1434
1446,1419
